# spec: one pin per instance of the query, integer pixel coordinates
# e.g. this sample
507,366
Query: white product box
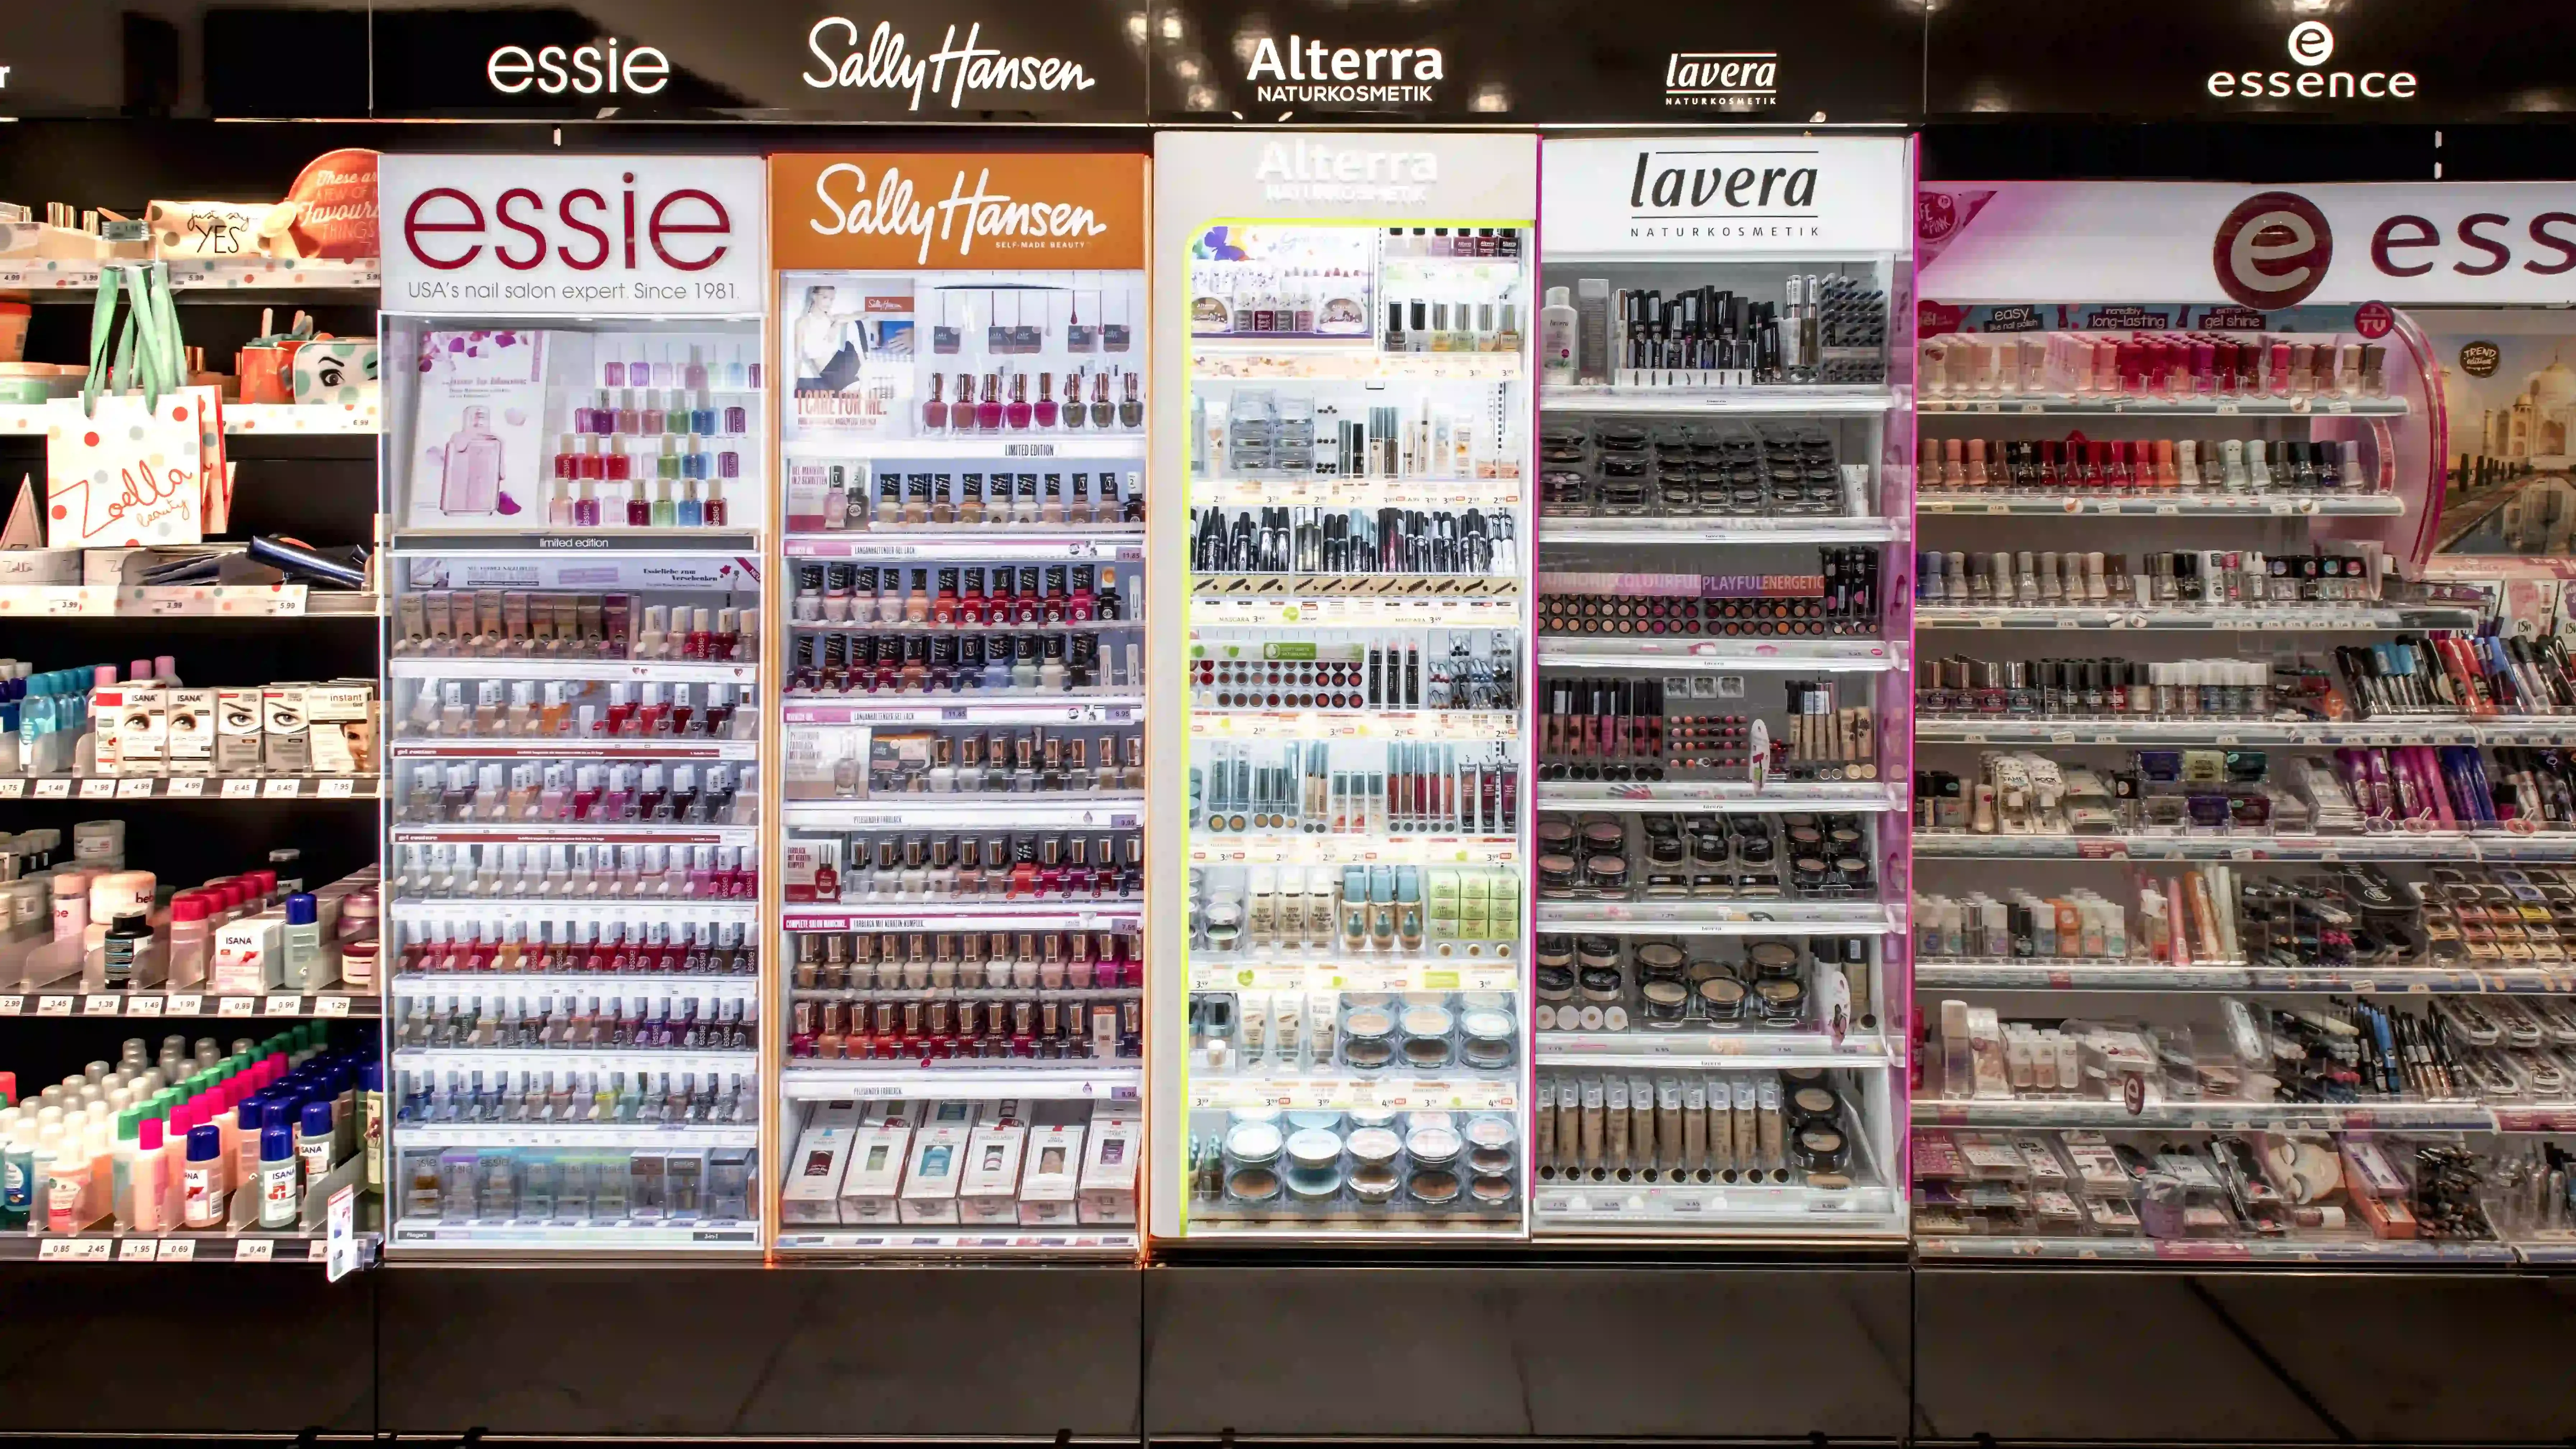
931,1179
1109,1171
286,733
990,1192
192,731
40,566
1050,1171
246,954
812,1191
237,731
875,1174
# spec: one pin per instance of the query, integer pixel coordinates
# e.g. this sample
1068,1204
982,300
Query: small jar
1556,836
1314,1166
1721,1000
1659,961
1372,1146
1772,960
1606,875
1807,872
1555,985
1817,1147
1814,1103
1224,926
1851,872
1602,986
1783,1003
1665,1003
1604,837
1556,875
1597,953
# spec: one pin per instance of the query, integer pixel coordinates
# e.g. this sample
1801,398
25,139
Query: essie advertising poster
478,442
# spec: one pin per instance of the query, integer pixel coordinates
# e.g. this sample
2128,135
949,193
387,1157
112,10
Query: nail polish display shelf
1667,532
1782,401
2431,845
2276,618
539,833
2179,505
654,747
1100,811
1651,1051
1209,973
736,986
1007,446
1330,1093
2208,1116
66,1000
127,788
434,1135
2137,730
1723,655
2351,1251
1208,849
1719,796
1461,725
2140,406
900,709
1003,1242
1719,918
1865,1208
981,1081
638,671
1109,545
574,1059
2035,974
1354,611
182,1247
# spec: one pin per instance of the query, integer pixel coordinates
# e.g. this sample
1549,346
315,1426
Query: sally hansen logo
895,209
1309,72
1723,80
953,70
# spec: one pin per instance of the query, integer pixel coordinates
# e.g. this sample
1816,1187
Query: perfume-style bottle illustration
471,482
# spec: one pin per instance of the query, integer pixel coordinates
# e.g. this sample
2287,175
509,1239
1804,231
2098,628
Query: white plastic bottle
1556,339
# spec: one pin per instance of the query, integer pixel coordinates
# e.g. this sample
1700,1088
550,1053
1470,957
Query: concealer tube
1719,1115
1615,1117
1775,1153
1592,1125
1748,1134
1641,1123
1668,1127
1694,1129
1569,1127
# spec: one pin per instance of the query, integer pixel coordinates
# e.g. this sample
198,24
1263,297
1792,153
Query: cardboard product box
238,736
286,734
874,1177
246,954
1108,1194
1050,1173
931,1178
40,566
191,744
338,715
990,1192
812,1192
813,865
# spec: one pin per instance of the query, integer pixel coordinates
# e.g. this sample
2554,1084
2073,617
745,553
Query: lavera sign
2496,243
573,235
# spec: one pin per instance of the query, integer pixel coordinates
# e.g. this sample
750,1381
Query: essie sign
573,236
2407,243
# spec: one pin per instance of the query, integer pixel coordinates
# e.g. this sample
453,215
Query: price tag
134,1250
98,787
341,788
284,787
318,1250
58,1250
135,787
236,1005
189,1003
289,1005
53,1006
241,790
102,1005
13,788
54,789
254,1250
144,1006
330,1006
185,787
12,1005
177,1250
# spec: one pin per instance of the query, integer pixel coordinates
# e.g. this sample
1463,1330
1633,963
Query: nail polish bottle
1045,412
988,411
934,413
1016,413
690,512
1101,409
1073,417
1131,407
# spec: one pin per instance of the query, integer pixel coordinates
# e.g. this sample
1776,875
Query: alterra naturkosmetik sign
1692,194
557,235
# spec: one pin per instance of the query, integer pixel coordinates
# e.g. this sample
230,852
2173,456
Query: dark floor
1759,1352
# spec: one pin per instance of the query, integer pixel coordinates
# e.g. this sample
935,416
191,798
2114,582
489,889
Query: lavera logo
1309,72
1683,195
894,208
1315,171
956,71
1723,80
2311,45
2272,250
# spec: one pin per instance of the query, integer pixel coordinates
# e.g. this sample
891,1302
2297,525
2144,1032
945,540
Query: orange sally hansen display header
942,211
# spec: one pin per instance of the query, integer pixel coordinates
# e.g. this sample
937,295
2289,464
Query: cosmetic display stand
1725,454
965,721
576,469
2275,956
1343,523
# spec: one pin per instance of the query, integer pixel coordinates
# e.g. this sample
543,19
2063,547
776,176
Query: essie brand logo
2311,45
587,70
894,209
1684,195
2272,250
953,70
1316,171
1309,72
1724,80
594,232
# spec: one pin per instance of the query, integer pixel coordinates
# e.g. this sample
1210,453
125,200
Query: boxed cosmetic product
1051,1171
825,763
191,746
875,1173
341,720
813,865
40,566
286,737
812,1192
481,415
237,731
1109,1172
931,1180
247,959
990,1193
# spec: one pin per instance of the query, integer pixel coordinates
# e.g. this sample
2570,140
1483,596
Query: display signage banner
2499,243
884,60
572,236
902,211
1345,175
2388,61
1696,193
1540,61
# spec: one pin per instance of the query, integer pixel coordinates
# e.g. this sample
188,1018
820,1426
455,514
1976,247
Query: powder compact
1666,1003
1368,1038
1490,1038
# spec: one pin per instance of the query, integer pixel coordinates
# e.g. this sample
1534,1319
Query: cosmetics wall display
1343,529
1725,455
2148,1043
965,729
578,472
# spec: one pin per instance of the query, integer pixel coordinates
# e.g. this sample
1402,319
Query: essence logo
1724,80
2312,44
2272,251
